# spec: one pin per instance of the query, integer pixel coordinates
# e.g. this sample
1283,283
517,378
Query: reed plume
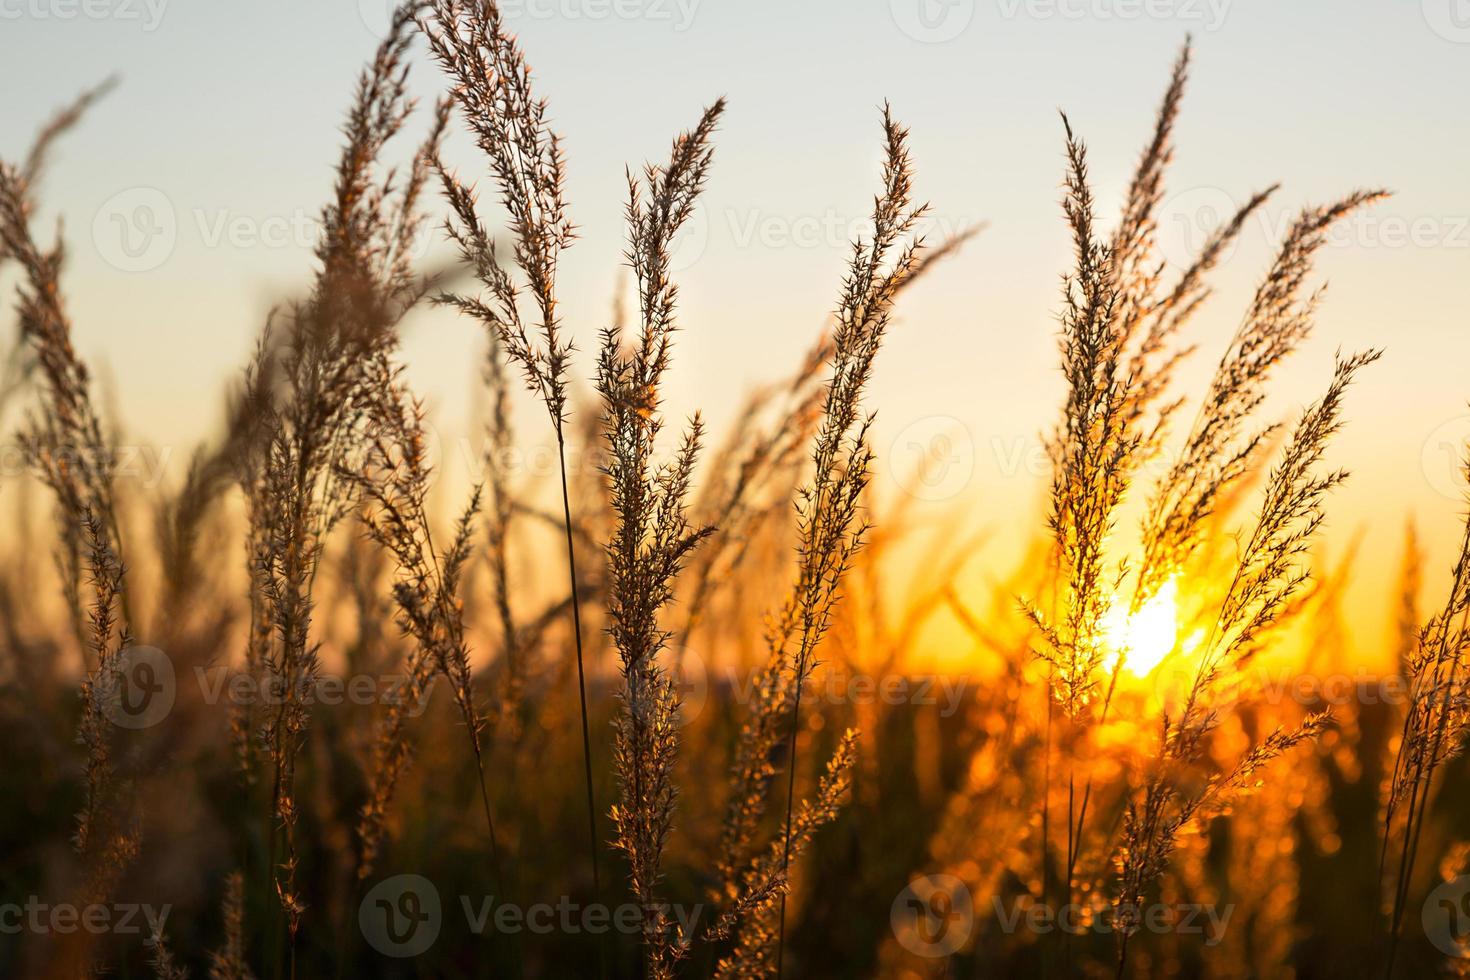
69,447
492,85
1219,450
67,444
315,382
652,534
1120,327
1269,574
753,918
393,480
1436,723
161,958
228,962
830,529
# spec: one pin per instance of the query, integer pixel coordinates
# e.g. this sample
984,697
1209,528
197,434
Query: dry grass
1065,773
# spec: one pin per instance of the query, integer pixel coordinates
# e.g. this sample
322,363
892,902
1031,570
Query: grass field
666,706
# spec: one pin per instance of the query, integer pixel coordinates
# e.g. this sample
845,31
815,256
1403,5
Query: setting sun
1146,637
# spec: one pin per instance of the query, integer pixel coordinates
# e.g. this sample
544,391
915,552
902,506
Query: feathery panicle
752,918
1436,725
106,639
1269,573
830,526
1153,825
492,85
228,962
161,958
320,370
1218,451
1093,453
67,444
58,125
1271,569
652,535
393,480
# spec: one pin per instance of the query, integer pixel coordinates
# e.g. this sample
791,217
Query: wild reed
1118,356
492,85
1268,575
393,480
1436,723
229,962
67,444
652,534
326,427
70,449
830,530
316,387
1218,451
161,958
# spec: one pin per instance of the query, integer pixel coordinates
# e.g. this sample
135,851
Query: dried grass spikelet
830,529
1120,324
1218,450
161,959
1268,575
1148,318
393,480
751,918
318,363
107,637
228,962
1093,453
492,86
1436,724
652,534
751,474
67,443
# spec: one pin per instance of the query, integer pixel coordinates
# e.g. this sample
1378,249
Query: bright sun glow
1146,637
